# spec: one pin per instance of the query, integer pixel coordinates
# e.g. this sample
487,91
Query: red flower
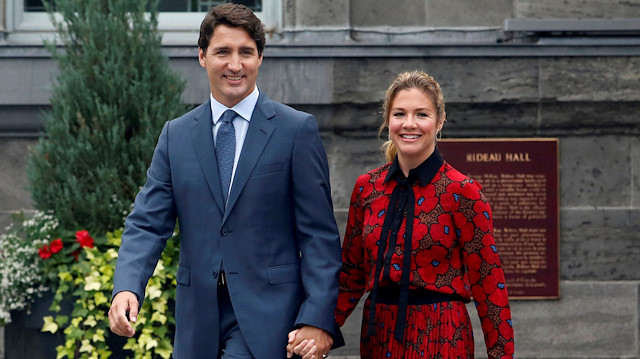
84,239
56,245
44,252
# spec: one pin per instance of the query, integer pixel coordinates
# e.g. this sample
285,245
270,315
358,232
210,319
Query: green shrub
113,93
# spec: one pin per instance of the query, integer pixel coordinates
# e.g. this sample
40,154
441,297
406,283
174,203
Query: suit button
225,231
214,274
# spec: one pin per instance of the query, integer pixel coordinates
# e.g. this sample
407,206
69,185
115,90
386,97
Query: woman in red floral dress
419,239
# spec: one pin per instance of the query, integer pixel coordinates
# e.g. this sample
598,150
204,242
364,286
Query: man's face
232,63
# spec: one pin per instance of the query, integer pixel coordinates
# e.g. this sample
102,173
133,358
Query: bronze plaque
520,180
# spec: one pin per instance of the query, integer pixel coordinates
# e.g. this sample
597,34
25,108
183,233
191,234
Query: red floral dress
452,252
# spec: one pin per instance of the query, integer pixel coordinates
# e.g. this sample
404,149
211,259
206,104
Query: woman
419,238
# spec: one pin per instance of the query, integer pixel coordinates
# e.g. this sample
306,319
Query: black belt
389,295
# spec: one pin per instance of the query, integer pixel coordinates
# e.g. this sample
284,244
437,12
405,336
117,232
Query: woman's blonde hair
405,81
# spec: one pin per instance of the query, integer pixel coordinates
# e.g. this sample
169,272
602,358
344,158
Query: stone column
3,28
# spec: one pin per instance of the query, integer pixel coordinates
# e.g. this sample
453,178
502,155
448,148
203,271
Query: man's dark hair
233,15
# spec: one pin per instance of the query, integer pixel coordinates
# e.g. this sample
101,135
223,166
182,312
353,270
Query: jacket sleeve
352,275
316,230
148,226
486,277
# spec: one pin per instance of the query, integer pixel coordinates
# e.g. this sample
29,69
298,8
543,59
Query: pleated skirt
440,330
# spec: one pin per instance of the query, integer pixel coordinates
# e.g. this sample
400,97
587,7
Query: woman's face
413,123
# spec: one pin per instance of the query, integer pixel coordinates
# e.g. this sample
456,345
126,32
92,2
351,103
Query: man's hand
122,303
309,342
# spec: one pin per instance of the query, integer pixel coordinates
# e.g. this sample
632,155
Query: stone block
28,82
577,118
591,320
541,9
288,13
451,13
590,79
472,80
22,119
322,13
291,80
345,117
401,13
13,162
349,157
197,90
463,119
635,169
490,120
600,244
595,171
297,81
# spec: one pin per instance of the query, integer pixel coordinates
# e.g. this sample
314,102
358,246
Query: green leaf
61,320
86,346
90,321
49,325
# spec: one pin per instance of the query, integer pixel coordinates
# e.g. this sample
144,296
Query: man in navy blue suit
247,178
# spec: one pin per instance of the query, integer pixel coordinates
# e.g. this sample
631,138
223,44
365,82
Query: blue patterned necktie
226,150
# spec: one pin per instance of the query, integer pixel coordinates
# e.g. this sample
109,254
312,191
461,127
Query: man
259,249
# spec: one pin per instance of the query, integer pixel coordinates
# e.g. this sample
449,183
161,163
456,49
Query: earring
438,135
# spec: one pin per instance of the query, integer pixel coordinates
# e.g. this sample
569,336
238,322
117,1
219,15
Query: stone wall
335,60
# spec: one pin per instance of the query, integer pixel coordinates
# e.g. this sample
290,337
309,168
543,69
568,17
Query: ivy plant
89,283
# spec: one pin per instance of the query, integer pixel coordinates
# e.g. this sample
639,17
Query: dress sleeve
352,274
486,278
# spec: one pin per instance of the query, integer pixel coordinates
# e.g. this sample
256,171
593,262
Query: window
27,21
169,5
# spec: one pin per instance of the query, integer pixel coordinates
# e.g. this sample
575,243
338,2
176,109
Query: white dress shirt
244,109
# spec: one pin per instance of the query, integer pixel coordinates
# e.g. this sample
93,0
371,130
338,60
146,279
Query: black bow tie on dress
401,204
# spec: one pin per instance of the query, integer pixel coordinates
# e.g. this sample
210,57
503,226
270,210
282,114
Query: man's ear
201,57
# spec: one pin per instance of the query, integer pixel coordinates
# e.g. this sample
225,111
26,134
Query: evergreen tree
113,93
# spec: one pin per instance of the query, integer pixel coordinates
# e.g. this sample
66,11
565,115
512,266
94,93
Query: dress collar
424,172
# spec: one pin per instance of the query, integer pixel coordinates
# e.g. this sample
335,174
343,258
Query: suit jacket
277,236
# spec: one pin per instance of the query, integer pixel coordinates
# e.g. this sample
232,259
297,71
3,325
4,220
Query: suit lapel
202,140
258,134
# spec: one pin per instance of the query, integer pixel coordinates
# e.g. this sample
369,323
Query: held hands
122,303
309,343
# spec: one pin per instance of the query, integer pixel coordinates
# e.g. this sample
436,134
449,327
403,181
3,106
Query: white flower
20,266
